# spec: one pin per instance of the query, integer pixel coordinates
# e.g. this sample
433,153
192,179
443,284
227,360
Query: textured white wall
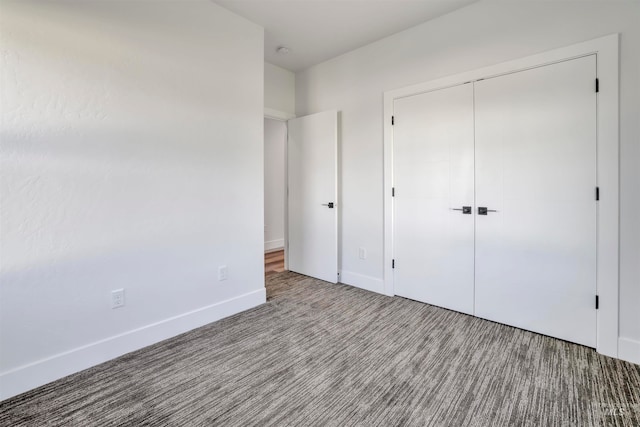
132,157
275,138
279,89
481,34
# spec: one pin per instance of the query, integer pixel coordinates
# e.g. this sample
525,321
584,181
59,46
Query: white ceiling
317,30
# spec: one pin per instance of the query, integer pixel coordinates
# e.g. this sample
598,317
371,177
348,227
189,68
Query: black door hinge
597,85
393,191
597,193
393,263
597,302
393,120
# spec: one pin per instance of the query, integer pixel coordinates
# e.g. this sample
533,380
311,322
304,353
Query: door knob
466,210
483,210
330,205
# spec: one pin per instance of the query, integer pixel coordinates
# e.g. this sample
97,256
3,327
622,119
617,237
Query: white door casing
433,180
312,153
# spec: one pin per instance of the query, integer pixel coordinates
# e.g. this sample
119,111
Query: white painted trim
38,373
270,113
606,49
361,281
286,198
273,250
272,245
629,350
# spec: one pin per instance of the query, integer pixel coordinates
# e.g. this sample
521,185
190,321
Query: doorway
301,193
275,143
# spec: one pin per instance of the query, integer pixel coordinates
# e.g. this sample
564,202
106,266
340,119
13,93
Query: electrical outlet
223,273
117,298
362,253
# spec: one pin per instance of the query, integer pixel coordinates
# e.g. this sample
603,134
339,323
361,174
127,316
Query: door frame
607,227
281,116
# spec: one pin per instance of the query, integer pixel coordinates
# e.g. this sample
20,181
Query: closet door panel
433,174
536,167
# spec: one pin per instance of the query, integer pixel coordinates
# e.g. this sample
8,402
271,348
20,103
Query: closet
494,208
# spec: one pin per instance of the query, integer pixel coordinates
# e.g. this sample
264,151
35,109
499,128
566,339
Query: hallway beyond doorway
274,262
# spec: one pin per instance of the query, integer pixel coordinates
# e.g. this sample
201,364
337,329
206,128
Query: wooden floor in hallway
273,262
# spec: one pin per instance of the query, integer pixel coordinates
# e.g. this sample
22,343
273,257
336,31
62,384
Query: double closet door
494,207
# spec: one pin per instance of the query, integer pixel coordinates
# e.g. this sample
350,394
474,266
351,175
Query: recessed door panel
536,175
433,178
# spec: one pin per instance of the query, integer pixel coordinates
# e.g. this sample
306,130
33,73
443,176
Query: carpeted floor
334,355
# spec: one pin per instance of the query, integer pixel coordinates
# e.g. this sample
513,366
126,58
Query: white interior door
433,182
313,194
536,174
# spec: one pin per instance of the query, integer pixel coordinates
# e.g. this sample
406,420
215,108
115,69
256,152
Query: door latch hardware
483,210
466,210
330,205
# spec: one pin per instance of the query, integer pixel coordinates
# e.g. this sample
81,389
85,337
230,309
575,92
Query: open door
312,195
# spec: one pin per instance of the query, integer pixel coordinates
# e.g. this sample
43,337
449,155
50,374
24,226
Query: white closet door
536,167
433,175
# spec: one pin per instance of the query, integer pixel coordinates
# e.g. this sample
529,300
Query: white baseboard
629,350
274,244
361,281
60,365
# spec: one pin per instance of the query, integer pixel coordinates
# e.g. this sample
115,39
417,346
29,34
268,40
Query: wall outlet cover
223,273
117,298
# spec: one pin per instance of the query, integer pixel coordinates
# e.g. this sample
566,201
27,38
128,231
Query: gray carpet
333,355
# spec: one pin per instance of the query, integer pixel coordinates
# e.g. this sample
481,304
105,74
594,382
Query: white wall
132,157
481,34
275,138
279,91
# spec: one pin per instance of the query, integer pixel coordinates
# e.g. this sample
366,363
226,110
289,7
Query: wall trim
368,283
629,350
270,113
607,51
43,371
272,245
